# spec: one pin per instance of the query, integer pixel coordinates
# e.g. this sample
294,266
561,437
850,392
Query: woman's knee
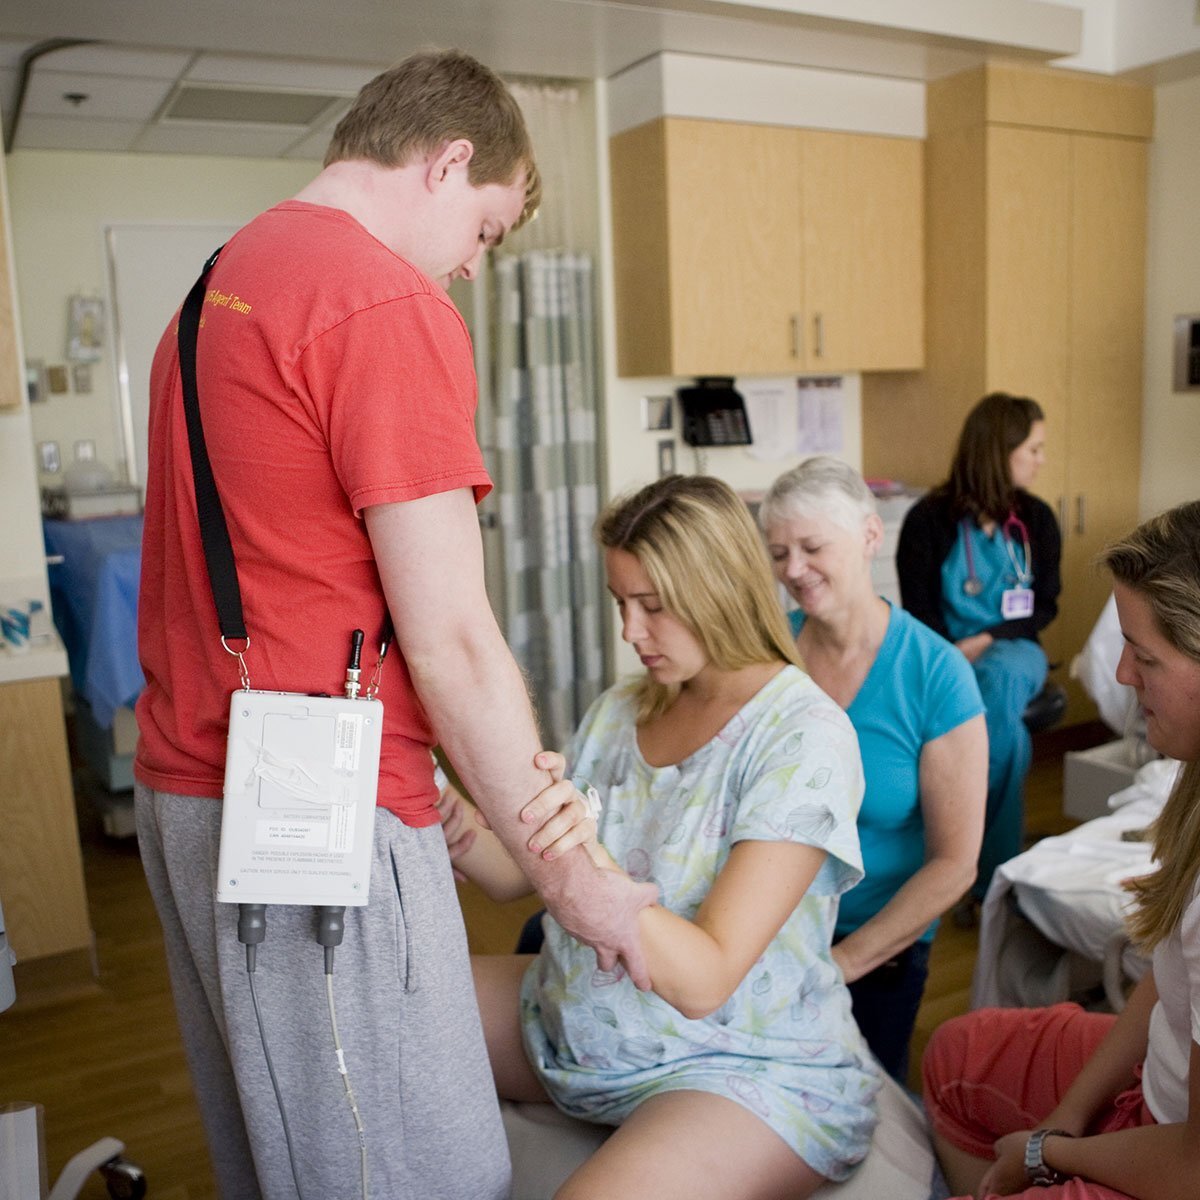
945,1054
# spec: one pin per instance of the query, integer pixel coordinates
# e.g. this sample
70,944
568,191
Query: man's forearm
431,563
475,696
476,699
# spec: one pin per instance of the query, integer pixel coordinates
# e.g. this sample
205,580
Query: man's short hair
432,98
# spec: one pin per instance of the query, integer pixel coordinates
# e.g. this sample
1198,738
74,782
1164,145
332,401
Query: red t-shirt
332,376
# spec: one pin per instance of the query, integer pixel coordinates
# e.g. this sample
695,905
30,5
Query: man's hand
607,921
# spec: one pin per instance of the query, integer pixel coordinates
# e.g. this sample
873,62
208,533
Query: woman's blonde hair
432,98
1160,560
696,541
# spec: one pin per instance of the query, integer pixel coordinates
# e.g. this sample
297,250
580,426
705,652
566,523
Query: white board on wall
150,269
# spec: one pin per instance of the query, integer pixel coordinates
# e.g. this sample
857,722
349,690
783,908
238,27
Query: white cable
350,1098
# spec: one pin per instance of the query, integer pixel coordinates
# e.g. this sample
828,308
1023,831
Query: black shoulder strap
214,532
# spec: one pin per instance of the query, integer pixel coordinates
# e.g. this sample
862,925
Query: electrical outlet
49,458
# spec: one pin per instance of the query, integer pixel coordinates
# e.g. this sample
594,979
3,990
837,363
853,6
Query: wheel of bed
547,1146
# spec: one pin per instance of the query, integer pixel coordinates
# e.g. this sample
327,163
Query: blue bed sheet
93,593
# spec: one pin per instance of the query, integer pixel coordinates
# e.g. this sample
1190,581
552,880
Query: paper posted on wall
794,416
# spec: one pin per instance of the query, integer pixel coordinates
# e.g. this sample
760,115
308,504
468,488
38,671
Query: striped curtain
545,470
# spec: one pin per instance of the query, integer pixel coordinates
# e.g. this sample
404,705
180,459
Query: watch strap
1038,1171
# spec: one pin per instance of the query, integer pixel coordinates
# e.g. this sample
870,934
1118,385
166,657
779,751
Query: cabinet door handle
1080,513
818,336
795,322
1061,506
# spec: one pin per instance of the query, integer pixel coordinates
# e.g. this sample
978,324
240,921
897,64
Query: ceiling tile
186,138
108,96
104,58
64,133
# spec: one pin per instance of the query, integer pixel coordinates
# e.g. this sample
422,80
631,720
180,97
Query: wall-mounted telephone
714,414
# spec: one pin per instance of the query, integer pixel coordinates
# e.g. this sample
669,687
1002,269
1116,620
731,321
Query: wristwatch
1038,1171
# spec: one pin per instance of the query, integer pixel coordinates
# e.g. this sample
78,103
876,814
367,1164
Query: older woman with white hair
916,708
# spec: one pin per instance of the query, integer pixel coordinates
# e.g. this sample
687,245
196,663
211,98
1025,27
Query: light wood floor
104,1059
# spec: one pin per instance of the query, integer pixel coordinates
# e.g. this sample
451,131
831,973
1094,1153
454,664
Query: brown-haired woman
1072,1105
978,562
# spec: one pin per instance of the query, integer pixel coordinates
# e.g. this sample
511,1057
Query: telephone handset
714,414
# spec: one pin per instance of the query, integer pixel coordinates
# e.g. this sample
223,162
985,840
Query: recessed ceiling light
254,106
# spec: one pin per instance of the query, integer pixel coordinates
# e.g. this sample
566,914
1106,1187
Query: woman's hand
585,829
456,828
1007,1174
566,819
974,646
560,815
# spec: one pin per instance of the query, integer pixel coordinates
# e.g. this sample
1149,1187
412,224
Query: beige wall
1171,420
22,555
61,202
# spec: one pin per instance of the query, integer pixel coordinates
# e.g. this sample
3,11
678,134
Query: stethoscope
973,585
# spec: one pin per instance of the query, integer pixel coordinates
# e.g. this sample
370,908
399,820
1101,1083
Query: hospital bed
95,564
546,1146
1052,924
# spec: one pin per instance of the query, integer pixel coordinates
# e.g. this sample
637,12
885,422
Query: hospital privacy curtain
546,474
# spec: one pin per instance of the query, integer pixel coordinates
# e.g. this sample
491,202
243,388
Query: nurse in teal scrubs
978,561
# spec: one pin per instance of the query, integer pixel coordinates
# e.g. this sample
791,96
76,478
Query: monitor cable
331,926
252,929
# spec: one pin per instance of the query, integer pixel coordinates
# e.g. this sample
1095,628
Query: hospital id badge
301,777
1016,602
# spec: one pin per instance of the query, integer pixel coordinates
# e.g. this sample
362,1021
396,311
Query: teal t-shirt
918,688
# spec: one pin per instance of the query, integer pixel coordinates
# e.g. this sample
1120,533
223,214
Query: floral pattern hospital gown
785,1046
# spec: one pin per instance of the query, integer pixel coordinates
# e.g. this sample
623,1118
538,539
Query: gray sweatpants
406,1013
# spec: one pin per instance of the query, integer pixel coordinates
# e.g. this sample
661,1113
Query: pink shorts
997,1070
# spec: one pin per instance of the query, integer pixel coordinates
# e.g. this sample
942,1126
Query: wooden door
864,252
733,246
1104,421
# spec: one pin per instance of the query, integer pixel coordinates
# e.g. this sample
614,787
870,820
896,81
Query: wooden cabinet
758,249
41,869
1036,218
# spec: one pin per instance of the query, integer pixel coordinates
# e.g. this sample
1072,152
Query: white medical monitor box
301,776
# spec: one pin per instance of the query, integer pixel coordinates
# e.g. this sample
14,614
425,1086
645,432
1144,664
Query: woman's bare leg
693,1146
963,1171
498,989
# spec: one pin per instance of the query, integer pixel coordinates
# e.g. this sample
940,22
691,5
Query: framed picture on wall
85,328
37,387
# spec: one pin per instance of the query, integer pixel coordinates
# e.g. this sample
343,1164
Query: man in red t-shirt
338,395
